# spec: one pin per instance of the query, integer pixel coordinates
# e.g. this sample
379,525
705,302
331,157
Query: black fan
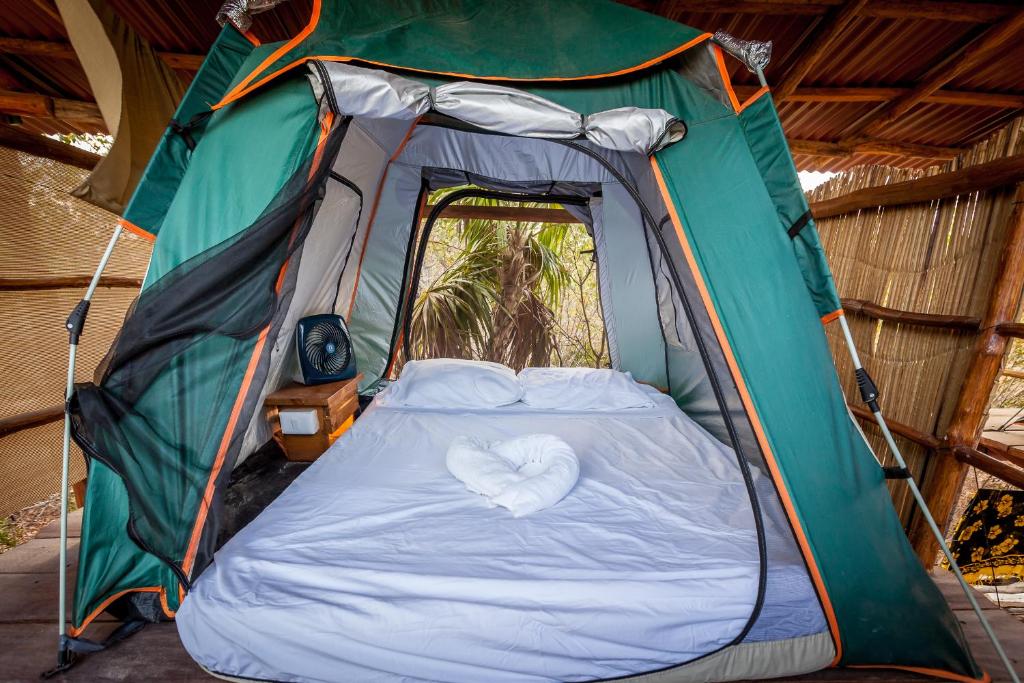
325,349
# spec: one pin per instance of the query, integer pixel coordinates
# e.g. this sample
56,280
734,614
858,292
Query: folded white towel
524,475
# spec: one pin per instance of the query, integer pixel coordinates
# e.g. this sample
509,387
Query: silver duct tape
239,12
754,53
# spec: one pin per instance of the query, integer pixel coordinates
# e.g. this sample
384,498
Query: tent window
519,292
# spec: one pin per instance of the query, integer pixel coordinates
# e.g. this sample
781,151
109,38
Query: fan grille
327,348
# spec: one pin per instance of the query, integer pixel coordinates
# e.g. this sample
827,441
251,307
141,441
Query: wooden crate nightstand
334,405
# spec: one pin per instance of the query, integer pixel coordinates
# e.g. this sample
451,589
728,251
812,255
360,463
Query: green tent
713,282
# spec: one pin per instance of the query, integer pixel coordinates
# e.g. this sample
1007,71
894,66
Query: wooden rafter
36,418
906,431
24,284
950,322
992,174
869,94
978,50
824,36
41,106
60,50
845,149
968,12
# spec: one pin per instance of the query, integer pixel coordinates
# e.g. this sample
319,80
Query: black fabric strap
799,224
185,129
72,648
896,472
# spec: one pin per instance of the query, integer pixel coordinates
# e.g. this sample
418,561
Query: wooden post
947,473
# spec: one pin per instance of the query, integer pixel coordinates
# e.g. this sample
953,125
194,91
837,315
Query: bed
377,565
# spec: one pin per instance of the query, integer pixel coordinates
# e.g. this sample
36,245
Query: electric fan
325,349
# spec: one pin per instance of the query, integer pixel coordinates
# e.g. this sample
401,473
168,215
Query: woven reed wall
939,257
44,231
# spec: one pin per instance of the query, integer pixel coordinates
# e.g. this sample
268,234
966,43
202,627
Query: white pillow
451,383
581,389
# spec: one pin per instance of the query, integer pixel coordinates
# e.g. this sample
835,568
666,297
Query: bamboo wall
939,257
44,231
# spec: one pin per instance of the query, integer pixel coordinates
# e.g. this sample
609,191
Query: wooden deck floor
28,590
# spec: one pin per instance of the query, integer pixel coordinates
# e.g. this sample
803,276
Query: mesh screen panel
45,233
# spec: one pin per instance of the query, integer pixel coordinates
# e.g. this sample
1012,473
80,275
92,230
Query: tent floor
28,586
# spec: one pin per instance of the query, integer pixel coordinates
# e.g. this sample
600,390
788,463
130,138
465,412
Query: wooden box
335,404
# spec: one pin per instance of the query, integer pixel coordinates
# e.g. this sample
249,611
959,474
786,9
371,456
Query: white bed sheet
377,565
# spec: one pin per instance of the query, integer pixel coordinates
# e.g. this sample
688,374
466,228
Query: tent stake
76,321
925,512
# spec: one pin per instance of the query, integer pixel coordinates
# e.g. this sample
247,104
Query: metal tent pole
870,395
74,326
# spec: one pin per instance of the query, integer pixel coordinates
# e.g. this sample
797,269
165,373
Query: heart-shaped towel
525,475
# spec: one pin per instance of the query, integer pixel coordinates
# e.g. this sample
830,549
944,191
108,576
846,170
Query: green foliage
97,144
8,536
507,291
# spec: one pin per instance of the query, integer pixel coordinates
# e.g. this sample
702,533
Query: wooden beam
873,310
1011,330
25,284
1012,454
964,455
61,50
823,38
506,213
945,477
40,146
842,150
36,418
41,106
867,94
986,176
1005,451
967,12
906,431
971,56
1010,372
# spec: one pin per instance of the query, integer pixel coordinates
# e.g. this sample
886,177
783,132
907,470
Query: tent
303,187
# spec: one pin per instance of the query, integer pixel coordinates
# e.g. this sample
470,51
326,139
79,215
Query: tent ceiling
844,62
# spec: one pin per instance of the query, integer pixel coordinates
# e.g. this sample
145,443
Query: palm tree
494,299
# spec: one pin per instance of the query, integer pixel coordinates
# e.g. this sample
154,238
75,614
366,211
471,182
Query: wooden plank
822,40
1004,451
505,213
61,50
19,284
845,149
35,418
988,464
966,12
40,146
873,310
987,176
974,54
942,486
906,431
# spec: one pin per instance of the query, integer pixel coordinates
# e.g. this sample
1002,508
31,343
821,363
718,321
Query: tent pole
925,512
74,327
761,78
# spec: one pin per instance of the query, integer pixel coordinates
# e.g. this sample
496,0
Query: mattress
377,565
